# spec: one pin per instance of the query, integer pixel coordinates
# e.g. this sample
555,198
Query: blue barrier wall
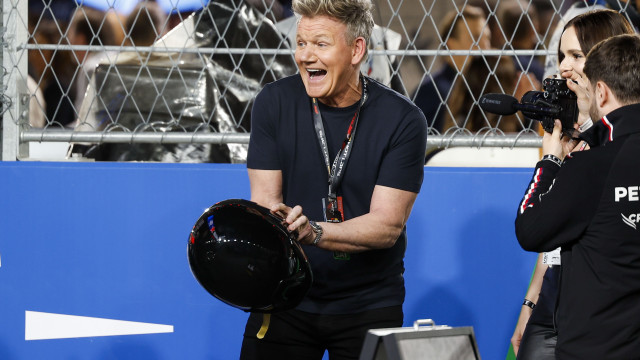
108,241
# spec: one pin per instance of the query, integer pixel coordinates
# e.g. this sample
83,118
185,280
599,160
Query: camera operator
589,204
535,335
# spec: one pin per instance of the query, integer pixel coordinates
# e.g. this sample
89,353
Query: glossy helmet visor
242,254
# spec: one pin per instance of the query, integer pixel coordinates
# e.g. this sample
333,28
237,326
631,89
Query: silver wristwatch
317,229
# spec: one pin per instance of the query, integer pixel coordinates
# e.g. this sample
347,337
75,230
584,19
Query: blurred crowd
61,76
448,92
448,96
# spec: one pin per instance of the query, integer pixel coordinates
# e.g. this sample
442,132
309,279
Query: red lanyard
336,169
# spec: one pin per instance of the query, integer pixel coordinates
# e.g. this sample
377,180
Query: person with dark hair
588,29
595,223
487,74
89,27
627,8
434,92
40,75
535,335
274,10
51,70
146,23
341,158
519,21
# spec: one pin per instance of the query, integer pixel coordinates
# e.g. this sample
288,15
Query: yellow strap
266,318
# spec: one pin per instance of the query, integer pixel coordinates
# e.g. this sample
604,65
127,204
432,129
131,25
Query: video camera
557,101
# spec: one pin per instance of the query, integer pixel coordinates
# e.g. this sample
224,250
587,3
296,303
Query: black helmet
244,255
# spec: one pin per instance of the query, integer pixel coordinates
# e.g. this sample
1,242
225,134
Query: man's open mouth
316,73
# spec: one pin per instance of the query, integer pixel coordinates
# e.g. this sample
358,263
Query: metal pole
433,141
2,82
9,128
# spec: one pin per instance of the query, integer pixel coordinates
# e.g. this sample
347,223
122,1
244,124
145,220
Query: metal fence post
2,33
15,69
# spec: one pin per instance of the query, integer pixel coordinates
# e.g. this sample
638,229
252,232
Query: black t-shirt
388,150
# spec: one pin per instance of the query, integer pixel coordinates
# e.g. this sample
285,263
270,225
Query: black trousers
299,335
538,343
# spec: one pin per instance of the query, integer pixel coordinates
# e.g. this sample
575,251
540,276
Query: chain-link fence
175,80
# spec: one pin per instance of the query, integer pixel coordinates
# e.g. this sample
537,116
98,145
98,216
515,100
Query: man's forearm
359,234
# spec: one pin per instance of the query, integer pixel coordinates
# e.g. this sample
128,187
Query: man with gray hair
350,152
589,204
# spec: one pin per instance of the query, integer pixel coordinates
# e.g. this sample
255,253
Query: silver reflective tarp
187,91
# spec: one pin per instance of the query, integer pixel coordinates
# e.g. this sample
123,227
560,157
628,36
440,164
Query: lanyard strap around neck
336,169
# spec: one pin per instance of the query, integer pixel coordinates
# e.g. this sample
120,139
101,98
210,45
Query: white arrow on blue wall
43,326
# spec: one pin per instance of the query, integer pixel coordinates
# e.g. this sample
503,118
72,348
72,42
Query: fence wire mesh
175,80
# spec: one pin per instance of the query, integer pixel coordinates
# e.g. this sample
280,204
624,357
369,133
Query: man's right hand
296,221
